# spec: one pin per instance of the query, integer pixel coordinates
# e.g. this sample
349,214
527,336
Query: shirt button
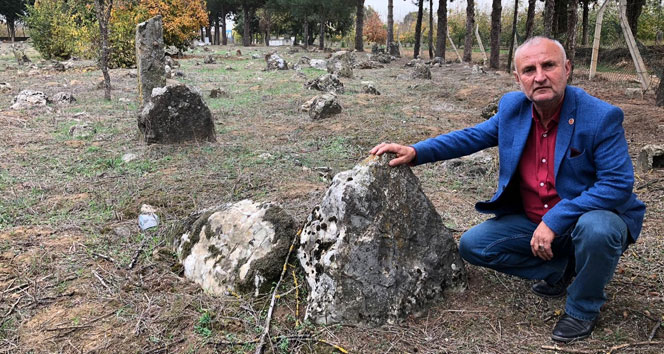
541,184
543,160
546,206
545,135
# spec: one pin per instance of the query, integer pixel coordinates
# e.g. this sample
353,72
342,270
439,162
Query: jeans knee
600,229
468,249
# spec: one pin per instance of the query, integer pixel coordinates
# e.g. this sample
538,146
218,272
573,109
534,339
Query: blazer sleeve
614,180
458,143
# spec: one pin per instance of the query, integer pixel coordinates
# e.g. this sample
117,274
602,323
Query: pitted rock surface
275,62
150,58
176,114
341,64
421,71
323,106
375,250
326,83
28,98
236,247
650,157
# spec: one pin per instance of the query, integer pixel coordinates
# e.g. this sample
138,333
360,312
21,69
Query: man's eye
527,70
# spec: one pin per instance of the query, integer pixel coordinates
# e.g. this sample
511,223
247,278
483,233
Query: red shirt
538,182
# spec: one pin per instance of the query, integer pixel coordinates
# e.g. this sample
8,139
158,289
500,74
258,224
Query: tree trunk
224,37
634,8
103,9
494,58
516,15
430,29
586,10
418,29
306,34
246,33
470,26
11,29
203,34
216,30
359,26
572,15
321,39
390,23
441,31
560,24
530,19
209,33
549,6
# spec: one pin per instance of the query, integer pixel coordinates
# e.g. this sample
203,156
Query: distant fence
17,39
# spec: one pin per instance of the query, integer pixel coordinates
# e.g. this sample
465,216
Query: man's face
541,72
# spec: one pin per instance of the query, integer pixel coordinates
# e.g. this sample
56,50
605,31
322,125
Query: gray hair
535,40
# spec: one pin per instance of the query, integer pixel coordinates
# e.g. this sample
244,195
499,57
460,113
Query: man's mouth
541,88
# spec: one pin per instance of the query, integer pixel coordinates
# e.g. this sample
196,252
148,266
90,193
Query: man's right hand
405,154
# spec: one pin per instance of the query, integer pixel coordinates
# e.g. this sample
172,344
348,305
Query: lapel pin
571,121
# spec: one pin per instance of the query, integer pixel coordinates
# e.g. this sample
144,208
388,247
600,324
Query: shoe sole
548,296
569,340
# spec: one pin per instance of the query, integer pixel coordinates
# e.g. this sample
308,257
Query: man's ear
568,67
516,77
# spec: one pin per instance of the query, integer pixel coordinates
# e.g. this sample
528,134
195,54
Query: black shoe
544,289
570,329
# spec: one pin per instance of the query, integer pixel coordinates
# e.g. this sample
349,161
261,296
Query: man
564,204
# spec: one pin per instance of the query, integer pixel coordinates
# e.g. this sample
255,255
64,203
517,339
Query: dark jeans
596,241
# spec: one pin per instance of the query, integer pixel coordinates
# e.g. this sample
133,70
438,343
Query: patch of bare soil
77,275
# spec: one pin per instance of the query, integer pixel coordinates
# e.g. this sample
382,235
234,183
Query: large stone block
375,250
650,157
176,114
150,58
236,247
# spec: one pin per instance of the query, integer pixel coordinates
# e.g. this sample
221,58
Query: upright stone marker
375,250
150,58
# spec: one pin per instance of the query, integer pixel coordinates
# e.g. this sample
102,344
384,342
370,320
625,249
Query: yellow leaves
558,312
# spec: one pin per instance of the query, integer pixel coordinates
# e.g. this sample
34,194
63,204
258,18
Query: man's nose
539,74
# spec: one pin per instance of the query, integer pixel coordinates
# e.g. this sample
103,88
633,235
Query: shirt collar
555,118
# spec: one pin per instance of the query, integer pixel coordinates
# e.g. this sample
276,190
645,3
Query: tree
248,13
659,100
441,31
390,23
570,44
494,59
359,26
418,29
530,19
549,6
181,19
430,29
584,22
374,28
12,10
219,10
103,10
470,26
509,55
634,8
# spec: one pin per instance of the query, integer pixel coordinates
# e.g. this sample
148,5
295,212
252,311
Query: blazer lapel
565,127
521,131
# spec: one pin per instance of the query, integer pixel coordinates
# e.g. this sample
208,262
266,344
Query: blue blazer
593,170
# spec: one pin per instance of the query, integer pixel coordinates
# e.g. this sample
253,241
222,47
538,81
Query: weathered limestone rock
28,98
477,164
5,87
375,250
319,64
82,131
219,92
176,114
491,109
326,83
632,92
341,64
275,62
368,64
64,98
651,156
236,247
171,62
414,62
149,58
421,71
324,106
368,87
394,50
381,58
209,59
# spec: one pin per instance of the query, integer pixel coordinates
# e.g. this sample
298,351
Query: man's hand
541,241
405,154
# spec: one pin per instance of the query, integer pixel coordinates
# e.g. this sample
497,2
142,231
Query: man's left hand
541,242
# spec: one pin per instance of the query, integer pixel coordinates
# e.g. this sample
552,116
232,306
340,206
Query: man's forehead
540,48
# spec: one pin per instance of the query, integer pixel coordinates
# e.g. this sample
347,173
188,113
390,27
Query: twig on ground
268,317
104,257
568,350
101,280
138,253
137,328
623,346
165,347
11,309
18,287
654,330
